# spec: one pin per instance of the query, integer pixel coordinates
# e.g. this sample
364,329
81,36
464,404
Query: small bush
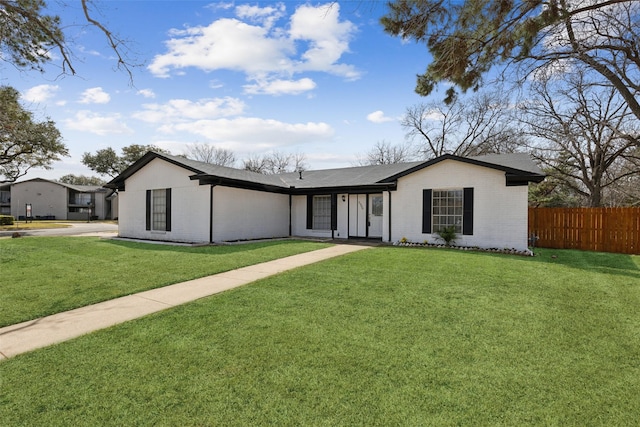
6,220
448,234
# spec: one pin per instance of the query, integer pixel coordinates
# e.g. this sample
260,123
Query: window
376,205
321,213
443,208
76,198
447,209
159,210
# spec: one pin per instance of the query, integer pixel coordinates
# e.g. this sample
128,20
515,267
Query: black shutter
334,211
309,212
148,213
467,211
168,214
426,211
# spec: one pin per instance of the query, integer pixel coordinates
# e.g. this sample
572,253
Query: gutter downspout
290,204
389,191
211,214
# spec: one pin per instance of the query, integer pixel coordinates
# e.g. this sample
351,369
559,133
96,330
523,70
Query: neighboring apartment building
55,200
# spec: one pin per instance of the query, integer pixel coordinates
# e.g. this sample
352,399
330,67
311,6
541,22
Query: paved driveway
76,229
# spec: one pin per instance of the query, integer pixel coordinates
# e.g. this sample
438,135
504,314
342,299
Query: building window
159,210
321,212
376,205
80,198
447,209
443,208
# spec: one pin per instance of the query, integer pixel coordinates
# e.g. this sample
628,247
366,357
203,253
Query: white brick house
163,197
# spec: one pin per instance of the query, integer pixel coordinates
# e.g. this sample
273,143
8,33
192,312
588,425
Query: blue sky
321,79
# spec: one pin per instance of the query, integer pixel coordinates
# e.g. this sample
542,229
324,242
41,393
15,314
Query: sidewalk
33,334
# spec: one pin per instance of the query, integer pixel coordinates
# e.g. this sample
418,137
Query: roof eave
352,189
206,179
523,179
118,182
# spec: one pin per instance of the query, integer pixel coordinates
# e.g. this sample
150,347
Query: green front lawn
387,336
45,275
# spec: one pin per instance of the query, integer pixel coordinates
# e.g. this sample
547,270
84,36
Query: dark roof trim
511,173
353,189
205,179
118,182
523,179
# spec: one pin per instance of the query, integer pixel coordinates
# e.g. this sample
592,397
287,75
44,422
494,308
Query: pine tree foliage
466,39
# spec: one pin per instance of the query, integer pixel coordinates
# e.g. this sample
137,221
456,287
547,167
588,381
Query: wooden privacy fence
591,229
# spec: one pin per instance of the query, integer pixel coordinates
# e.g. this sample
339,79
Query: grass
387,336
46,275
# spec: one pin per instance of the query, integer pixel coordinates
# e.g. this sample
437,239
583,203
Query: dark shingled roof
345,177
518,167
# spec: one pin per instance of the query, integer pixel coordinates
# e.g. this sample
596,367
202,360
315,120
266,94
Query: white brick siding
500,212
247,214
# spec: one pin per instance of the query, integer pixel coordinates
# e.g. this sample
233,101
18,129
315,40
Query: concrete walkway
33,334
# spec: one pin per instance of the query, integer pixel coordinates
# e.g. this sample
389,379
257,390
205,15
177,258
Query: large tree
481,124
108,162
209,153
467,39
585,134
30,36
275,162
24,142
81,180
385,153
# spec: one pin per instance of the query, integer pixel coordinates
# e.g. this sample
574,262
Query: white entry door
357,215
375,215
365,215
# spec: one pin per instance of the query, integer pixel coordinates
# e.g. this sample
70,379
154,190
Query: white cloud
280,87
328,38
178,110
87,121
433,114
220,5
94,95
224,44
266,16
40,93
250,133
313,41
379,117
221,120
147,93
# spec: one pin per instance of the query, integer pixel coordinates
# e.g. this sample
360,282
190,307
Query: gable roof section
519,170
206,173
353,178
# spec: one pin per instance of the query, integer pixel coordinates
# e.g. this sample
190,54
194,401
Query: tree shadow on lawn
598,262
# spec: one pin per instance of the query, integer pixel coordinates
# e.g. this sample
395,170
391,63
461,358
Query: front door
375,215
365,215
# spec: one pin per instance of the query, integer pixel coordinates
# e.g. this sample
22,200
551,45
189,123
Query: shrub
6,220
448,234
